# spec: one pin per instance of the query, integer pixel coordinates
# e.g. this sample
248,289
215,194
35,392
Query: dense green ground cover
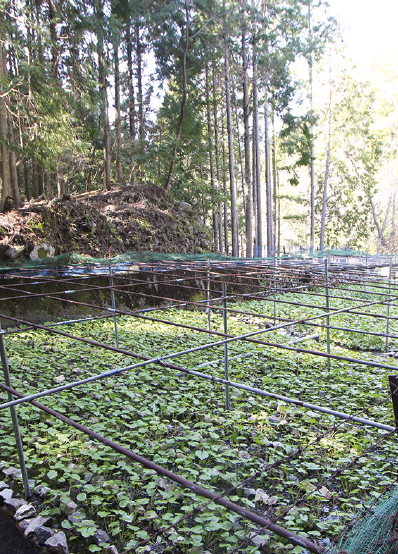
181,423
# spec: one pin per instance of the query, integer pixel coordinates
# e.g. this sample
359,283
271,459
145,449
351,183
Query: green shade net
125,258
376,532
75,259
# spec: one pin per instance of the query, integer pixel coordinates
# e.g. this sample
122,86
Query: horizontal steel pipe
181,481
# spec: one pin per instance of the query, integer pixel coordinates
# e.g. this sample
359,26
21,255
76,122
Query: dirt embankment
101,224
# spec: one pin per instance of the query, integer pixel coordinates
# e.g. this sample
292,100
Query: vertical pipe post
327,306
226,376
388,305
208,295
393,380
14,418
113,306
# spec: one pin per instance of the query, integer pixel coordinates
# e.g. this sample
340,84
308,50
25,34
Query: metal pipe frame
227,383
181,481
227,338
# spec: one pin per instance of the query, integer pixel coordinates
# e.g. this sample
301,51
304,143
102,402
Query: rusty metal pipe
181,481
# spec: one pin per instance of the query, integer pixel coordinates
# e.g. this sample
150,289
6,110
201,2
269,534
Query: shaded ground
11,541
100,224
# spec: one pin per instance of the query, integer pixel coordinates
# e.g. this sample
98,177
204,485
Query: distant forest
249,111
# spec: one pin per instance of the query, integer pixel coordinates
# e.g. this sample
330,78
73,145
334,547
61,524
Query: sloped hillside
100,224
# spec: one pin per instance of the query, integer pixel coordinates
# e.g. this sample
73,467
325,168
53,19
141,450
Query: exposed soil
11,541
101,224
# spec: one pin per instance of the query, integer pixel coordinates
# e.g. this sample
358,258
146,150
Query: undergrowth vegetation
180,422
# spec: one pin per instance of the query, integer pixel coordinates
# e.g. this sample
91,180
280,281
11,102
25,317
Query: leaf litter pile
180,422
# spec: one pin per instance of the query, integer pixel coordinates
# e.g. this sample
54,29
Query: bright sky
369,27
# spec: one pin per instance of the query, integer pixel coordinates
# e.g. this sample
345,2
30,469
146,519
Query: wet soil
11,541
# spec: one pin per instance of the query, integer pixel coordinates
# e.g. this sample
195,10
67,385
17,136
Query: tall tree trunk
40,180
35,179
224,178
234,215
326,178
26,179
256,160
53,37
240,155
211,164
274,183
40,53
54,70
381,227
268,179
279,214
248,189
6,187
104,100
141,129
47,183
312,153
167,184
14,173
217,149
118,132
107,147
131,100
61,184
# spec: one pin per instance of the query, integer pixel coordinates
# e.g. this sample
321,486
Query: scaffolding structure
260,292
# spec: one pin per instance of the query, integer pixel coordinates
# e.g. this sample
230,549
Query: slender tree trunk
274,183
211,163
141,128
47,183
131,103
104,99
312,153
35,179
268,179
239,190
248,189
256,159
255,190
380,227
167,184
61,184
234,218
107,147
224,176
279,215
40,180
118,132
14,175
242,173
325,196
40,53
393,213
10,100
326,178
217,149
6,187
26,179
53,36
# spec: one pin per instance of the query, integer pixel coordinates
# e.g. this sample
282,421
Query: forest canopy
248,111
